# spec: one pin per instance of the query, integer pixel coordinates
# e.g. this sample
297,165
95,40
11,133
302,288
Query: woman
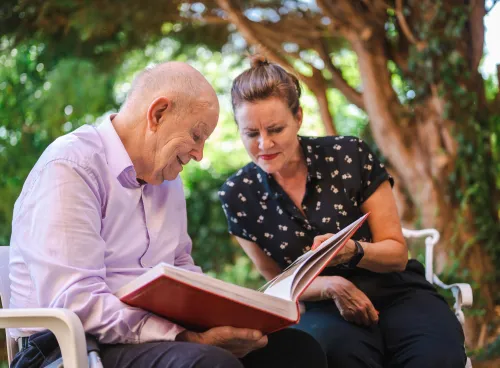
373,309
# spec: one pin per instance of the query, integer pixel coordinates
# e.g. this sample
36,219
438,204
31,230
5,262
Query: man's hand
352,303
345,254
239,341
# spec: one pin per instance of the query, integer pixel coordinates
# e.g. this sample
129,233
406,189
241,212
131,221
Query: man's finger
365,316
373,314
246,334
261,342
358,318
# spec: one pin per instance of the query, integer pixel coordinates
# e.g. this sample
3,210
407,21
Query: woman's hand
345,254
352,303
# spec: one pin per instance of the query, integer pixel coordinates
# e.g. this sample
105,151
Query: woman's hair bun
258,60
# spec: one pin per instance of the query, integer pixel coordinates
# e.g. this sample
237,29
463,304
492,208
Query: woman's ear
156,112
298,116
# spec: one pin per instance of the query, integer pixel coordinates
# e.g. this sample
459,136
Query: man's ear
156,111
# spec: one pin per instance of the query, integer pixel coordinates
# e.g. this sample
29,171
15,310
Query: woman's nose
265,142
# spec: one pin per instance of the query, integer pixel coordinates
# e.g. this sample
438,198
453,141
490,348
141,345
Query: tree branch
211,19
476,20
405,28
316,82
281,35
339,21
338,80
399,53
353,18
498,78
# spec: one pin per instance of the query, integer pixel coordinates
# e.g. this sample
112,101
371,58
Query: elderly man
101,206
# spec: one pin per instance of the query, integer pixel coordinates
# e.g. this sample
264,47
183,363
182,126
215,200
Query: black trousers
416,329
286,348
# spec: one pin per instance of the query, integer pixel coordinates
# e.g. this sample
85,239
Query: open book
199,302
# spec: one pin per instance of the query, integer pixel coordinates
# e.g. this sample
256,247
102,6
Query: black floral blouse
342,174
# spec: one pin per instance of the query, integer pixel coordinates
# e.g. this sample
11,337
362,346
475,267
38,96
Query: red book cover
199,302
199,310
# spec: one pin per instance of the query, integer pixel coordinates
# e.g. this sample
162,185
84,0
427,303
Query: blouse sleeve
373,172
233,204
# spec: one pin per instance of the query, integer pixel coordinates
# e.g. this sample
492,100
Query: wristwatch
360,252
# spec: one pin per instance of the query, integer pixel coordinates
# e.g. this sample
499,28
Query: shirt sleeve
183,256
372,171
233,205
58,234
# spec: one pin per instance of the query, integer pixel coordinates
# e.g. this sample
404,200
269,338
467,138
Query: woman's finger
319,239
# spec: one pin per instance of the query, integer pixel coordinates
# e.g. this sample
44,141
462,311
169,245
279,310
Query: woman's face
268,130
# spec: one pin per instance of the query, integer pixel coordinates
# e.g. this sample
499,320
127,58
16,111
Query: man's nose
197,154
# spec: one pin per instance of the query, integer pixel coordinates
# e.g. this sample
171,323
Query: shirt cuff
159,329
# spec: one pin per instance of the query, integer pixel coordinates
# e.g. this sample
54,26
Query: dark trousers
416,329
286,348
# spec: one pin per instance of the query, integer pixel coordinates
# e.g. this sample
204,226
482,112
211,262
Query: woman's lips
268,157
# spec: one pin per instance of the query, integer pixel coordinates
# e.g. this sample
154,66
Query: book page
293,274
324,254
284,286
281,289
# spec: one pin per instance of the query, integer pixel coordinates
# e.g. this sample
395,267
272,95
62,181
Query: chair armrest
431,238
461,292
64,323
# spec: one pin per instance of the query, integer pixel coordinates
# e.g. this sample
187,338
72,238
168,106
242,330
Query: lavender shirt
83,227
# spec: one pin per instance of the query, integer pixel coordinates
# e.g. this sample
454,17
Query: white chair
461,292
62,322
71,337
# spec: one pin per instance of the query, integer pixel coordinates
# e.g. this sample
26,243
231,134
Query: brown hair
264,80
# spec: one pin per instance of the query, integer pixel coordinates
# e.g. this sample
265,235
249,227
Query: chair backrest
5,297
4,276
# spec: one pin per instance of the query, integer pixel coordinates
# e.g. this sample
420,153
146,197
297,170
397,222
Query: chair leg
468,364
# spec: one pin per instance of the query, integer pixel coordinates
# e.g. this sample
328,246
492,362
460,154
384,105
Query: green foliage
207,222
106,31
41,98
213,248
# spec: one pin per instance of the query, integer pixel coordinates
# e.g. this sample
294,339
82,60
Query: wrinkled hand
352,303
345,254
239,341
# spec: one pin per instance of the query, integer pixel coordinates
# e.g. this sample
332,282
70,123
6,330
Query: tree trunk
421,150
417,140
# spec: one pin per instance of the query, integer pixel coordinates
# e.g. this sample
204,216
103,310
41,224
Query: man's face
181,138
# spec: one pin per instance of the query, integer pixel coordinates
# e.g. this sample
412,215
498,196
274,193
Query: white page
282,288
303,258
283,283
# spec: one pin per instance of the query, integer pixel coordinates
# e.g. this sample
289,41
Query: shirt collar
313,169
118,160
312,157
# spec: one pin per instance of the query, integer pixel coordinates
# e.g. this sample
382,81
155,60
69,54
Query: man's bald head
185,86
170,112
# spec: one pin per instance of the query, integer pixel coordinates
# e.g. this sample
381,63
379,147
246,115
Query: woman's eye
196,137
252,134
276,130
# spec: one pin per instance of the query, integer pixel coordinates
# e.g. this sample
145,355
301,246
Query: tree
429,113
